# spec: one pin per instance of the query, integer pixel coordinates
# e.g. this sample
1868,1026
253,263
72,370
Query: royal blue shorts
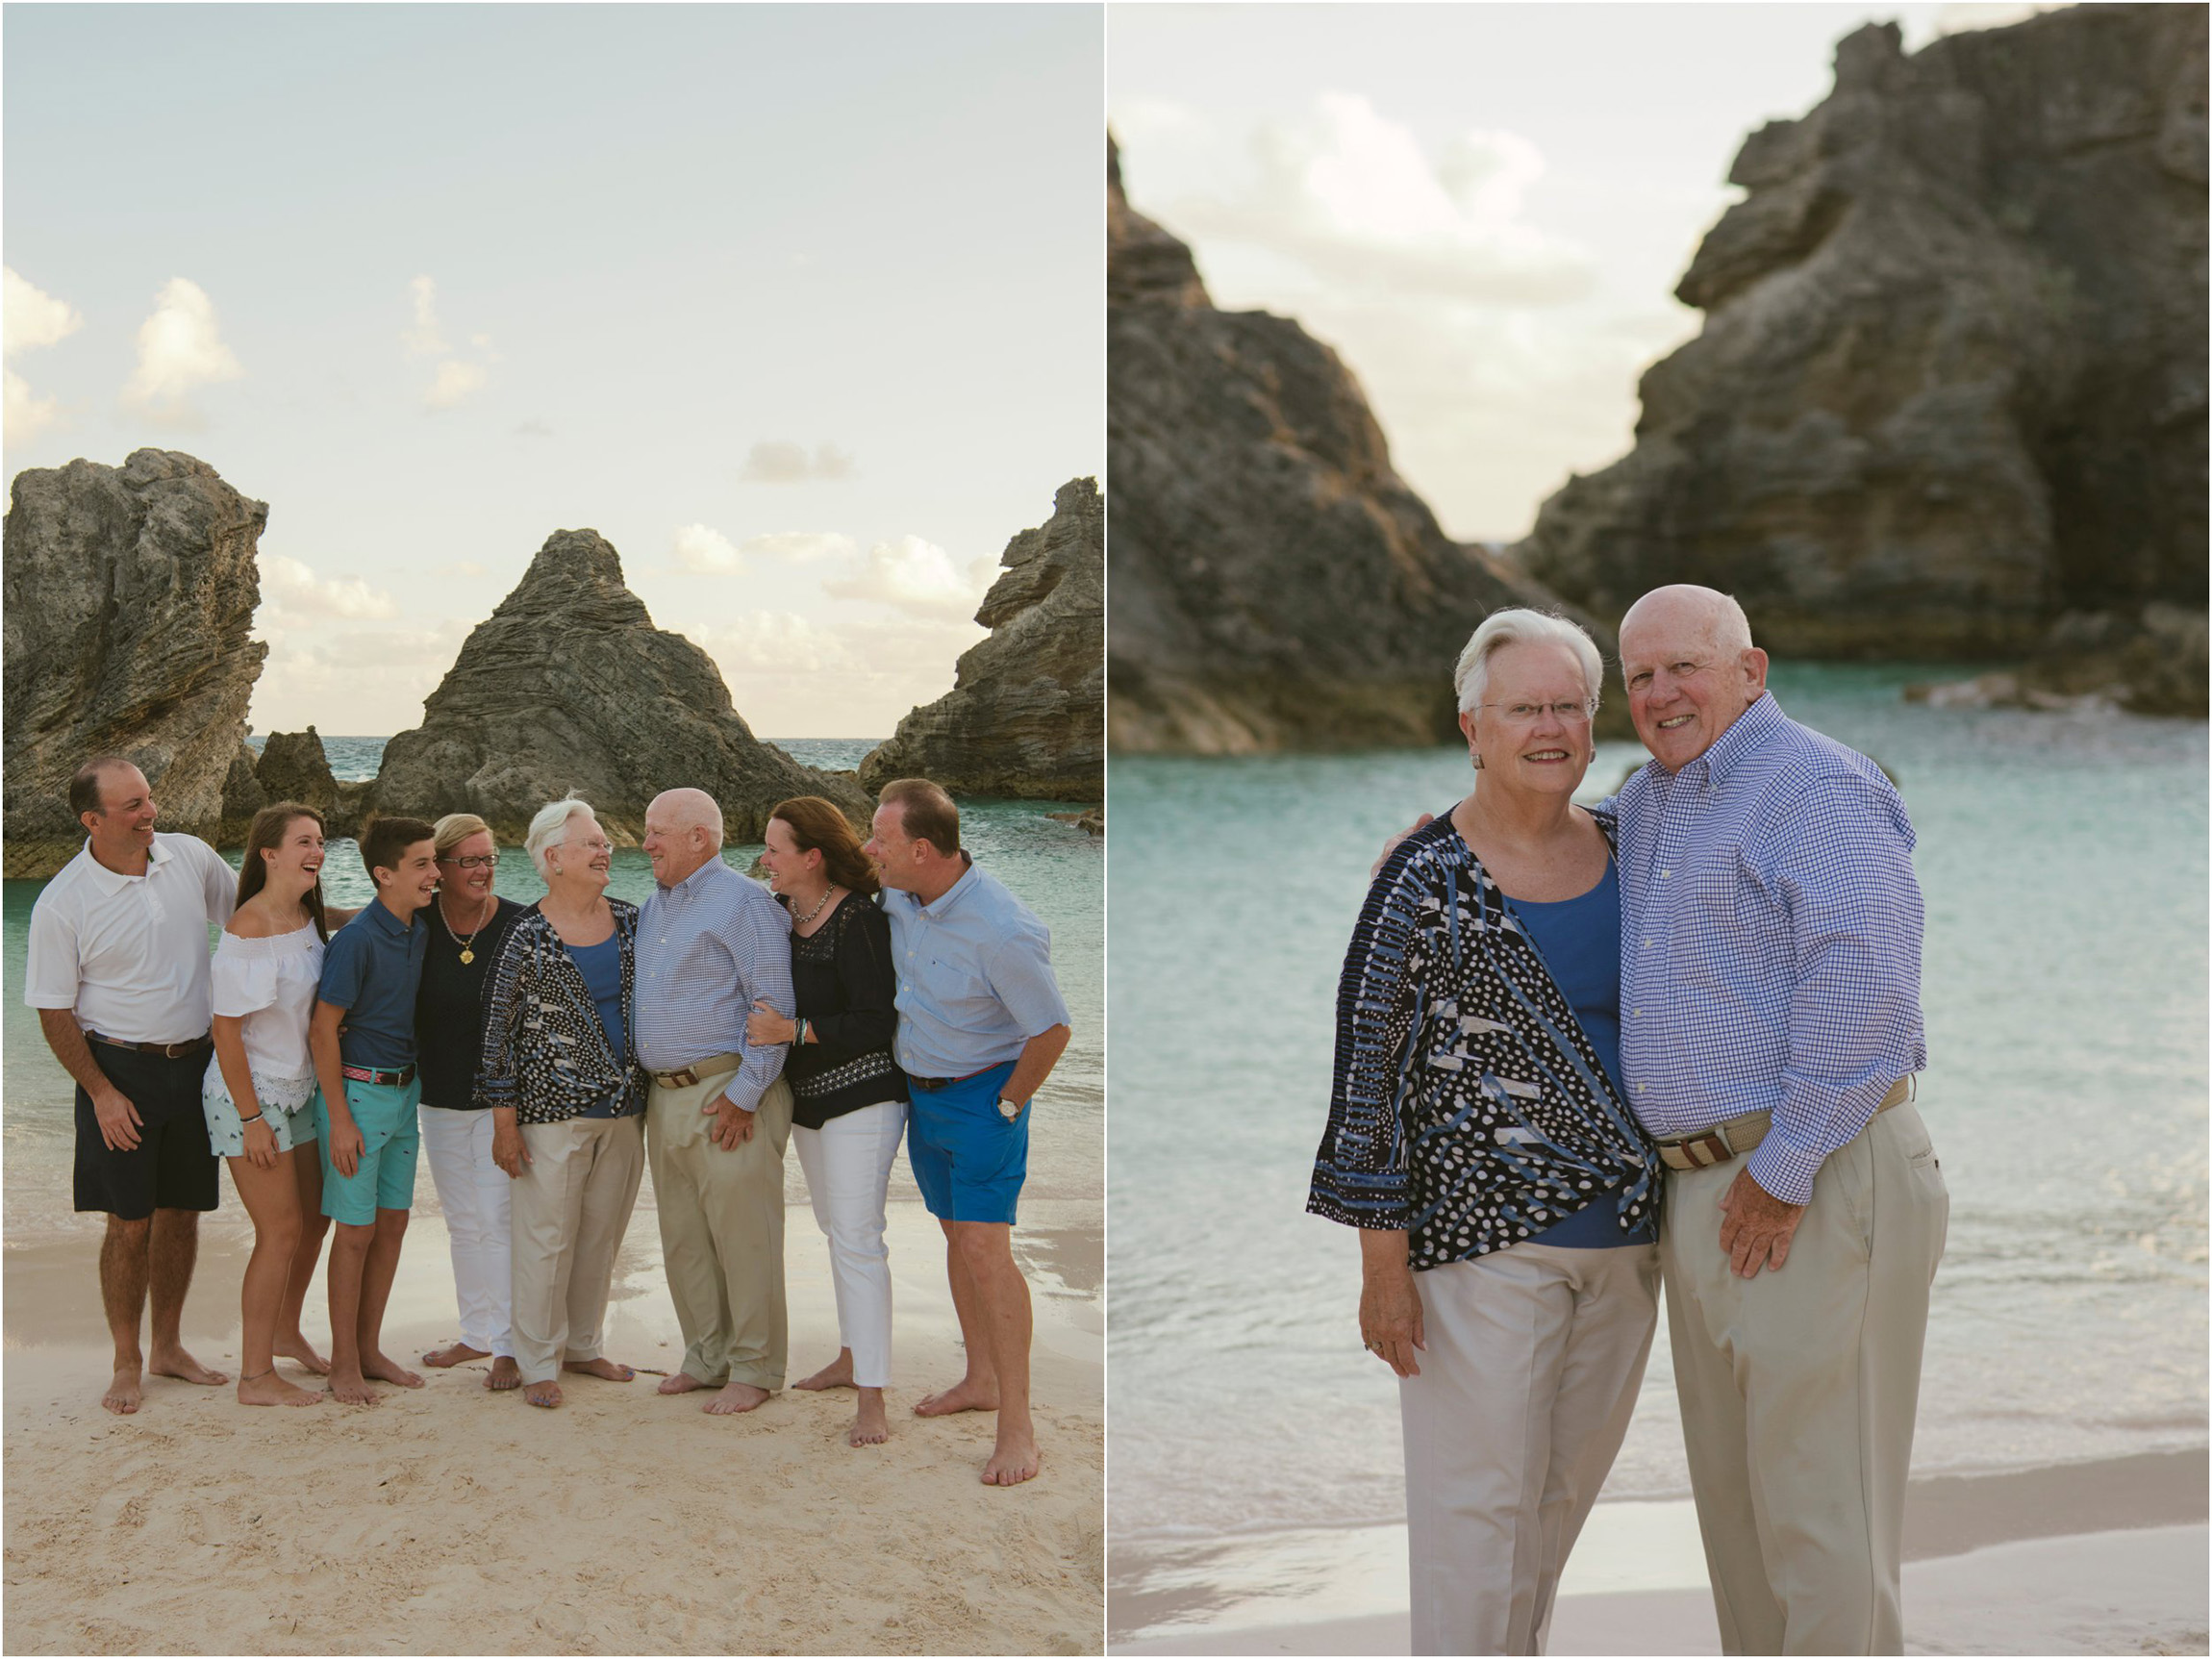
969,1161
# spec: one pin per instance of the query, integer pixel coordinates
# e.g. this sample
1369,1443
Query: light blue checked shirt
1769,942
706,948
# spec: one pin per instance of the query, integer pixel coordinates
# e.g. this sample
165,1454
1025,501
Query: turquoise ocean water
2064,863
1056,869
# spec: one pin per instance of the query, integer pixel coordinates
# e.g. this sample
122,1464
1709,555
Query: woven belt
935,1082
1739,1136
166,1050
698,1071
400,1079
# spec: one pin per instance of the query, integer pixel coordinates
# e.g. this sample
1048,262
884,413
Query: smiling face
584,856
471,884
1689,679
891,849
674,843
790,868
411,882
1532,729
123,824
295,862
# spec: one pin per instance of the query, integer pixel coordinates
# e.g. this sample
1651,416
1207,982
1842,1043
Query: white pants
473,1191
847,1164
571,1206
1535,1354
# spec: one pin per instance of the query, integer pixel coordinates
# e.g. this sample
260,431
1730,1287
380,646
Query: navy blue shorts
969,1161
172,1167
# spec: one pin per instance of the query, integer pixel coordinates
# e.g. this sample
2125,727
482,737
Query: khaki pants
568,1210
722,1231
1535,1354
1798,1390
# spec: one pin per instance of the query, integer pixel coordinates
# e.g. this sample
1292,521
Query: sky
801,307
1484,208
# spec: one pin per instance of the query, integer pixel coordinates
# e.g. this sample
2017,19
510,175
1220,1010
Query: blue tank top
601,965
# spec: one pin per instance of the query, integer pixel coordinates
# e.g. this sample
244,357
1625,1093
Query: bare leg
978,1390
170,1253
123,1294
376,1280
271,1197
869,1427
837,1373
348,1261
1002,1295
292,1342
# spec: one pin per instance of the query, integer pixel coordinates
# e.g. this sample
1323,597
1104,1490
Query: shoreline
2033,1542
450,1520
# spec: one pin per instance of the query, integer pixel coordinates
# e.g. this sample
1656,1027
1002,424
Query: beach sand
451,1519
2081,1558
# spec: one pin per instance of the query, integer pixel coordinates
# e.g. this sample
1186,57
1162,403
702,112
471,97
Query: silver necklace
829,893
468,955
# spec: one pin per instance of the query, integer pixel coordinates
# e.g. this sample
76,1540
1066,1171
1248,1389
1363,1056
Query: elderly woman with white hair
567,1097
1479,1139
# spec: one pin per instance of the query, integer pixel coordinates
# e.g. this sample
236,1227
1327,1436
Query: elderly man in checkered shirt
1770,1022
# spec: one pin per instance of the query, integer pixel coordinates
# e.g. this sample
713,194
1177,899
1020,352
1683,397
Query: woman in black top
469,924
850,1096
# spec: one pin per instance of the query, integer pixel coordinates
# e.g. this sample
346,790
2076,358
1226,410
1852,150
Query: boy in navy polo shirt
366,1125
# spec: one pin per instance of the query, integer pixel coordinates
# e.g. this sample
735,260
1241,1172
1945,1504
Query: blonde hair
454,828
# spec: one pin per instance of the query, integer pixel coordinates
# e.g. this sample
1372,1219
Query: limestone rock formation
1275,584
128,592
1951,379
1026,714
2155,664
294,767
567,687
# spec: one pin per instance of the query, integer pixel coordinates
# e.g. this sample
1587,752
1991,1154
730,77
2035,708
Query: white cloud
916,576
772,460
772,643
30,319
456,383
180,350
799,546
705,551
23,416
349,681
1354,198
295,590
424,339
791,676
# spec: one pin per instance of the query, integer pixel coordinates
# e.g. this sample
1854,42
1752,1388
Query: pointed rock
1027,712
128,594
567,688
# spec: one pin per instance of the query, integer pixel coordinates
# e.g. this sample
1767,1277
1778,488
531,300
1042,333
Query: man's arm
120,1121
1039,1055
761,943
218,882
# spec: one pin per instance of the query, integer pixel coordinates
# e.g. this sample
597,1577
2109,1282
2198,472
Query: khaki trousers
1798,1390
722,1231
1535,1354
568,1211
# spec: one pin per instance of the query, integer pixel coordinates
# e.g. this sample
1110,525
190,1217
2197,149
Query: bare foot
607,1369
966,1395
837,1373
504,1374
868,1427
735,1397
373,1364
298,1347
544,1393
124,1392
453,1354
681,1382
351,1388
1013,1461
178,1364
269,1389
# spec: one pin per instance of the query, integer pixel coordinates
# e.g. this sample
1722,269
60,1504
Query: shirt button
1665,874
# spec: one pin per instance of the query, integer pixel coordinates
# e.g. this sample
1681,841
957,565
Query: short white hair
550,828
1515,626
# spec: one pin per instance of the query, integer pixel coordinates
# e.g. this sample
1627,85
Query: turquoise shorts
385,1177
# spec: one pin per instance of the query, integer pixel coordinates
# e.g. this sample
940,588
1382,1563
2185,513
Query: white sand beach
451,1519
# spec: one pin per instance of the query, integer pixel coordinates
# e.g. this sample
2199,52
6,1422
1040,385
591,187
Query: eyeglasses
481,860
596,844
1528,714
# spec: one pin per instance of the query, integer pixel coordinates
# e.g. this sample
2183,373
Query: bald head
1691,670
683,831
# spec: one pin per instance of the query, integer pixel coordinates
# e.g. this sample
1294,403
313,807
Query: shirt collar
114,881
691,883
384,919
952,895
1750,729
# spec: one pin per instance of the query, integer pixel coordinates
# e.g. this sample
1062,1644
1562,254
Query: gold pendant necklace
468,955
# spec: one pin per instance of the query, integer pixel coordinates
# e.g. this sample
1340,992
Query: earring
1475,755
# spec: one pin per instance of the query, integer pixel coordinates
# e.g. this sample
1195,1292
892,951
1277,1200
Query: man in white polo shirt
118,973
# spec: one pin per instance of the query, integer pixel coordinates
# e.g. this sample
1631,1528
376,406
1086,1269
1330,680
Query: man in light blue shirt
1770,997
981,1023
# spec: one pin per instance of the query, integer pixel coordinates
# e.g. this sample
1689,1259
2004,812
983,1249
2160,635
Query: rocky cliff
1951,379
1275,584
128,592
1026,715
569,688
293,766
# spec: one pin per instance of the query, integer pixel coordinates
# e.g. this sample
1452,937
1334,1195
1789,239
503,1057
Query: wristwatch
1010,1108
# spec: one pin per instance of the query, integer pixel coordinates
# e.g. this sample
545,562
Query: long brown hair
266,833
819,826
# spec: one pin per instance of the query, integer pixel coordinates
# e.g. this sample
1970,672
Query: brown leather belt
698,1071
1737,1137
166,1050
400,1079
935,1082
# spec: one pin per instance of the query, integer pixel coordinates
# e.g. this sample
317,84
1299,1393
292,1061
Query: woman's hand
766,1025
260,1140
507,1148
1390,1305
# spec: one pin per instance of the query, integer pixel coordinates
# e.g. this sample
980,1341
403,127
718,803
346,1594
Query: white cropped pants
473,1191
847,1163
